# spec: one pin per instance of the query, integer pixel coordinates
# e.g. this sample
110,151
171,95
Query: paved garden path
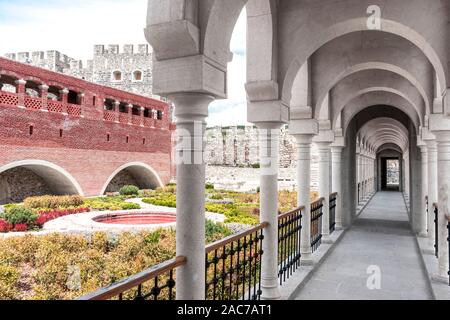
382,238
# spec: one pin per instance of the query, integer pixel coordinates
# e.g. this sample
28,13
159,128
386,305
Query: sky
73,27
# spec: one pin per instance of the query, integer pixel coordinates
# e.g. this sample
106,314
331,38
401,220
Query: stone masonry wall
232,156
19,183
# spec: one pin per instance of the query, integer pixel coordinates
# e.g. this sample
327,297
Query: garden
61,266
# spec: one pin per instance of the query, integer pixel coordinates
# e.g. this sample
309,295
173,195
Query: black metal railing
427,212
448,241
156,283
233,266
333,201
289,235
436,229
316,224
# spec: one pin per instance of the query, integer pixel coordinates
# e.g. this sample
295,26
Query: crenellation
127,70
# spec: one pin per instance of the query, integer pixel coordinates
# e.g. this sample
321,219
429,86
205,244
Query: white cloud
70,27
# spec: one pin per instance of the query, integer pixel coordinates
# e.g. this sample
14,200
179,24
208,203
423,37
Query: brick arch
142,172
59,181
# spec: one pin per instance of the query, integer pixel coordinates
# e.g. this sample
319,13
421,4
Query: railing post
269,153
191,111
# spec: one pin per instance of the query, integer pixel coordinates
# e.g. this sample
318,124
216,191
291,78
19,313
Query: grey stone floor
380,237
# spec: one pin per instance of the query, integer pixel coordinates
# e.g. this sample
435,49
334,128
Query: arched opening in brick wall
32,89
54,93
23,179
8,83
137,174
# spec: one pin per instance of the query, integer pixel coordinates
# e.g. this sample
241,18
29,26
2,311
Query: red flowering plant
5,226
49,215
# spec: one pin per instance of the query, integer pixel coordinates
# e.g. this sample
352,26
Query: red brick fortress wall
86,141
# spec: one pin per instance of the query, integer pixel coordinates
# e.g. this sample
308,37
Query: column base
327,240
429,250
270,293
440,278
306,260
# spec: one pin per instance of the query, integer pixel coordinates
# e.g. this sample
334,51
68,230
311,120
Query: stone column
337,182
324,187
358,177
117,111
64,95
141,115
443,151
44,93
130,113
269,133
20,89
304,193
191,111
420,223
432,190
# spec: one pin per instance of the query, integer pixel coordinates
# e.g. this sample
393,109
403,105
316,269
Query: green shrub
232,214
20,215
256,166
9,277
130,206
53,202
129,191
216,197
163,199
209,186
215,231
110,204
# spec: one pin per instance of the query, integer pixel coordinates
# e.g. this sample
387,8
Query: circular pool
152,218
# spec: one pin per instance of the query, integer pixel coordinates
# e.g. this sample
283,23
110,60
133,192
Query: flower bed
46,216
37,220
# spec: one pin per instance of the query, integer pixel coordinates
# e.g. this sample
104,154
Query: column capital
43,87
191,106
304,127
129,105
269,125
303,138
325,138
64,91
21,82
267,111
431,144
336,149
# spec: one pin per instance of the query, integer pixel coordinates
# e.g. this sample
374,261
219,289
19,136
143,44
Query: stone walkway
381,238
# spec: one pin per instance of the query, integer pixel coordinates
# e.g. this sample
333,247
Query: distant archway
134,173
22,179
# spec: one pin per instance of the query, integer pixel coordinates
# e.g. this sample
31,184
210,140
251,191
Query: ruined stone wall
232,156
19,183
124,178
